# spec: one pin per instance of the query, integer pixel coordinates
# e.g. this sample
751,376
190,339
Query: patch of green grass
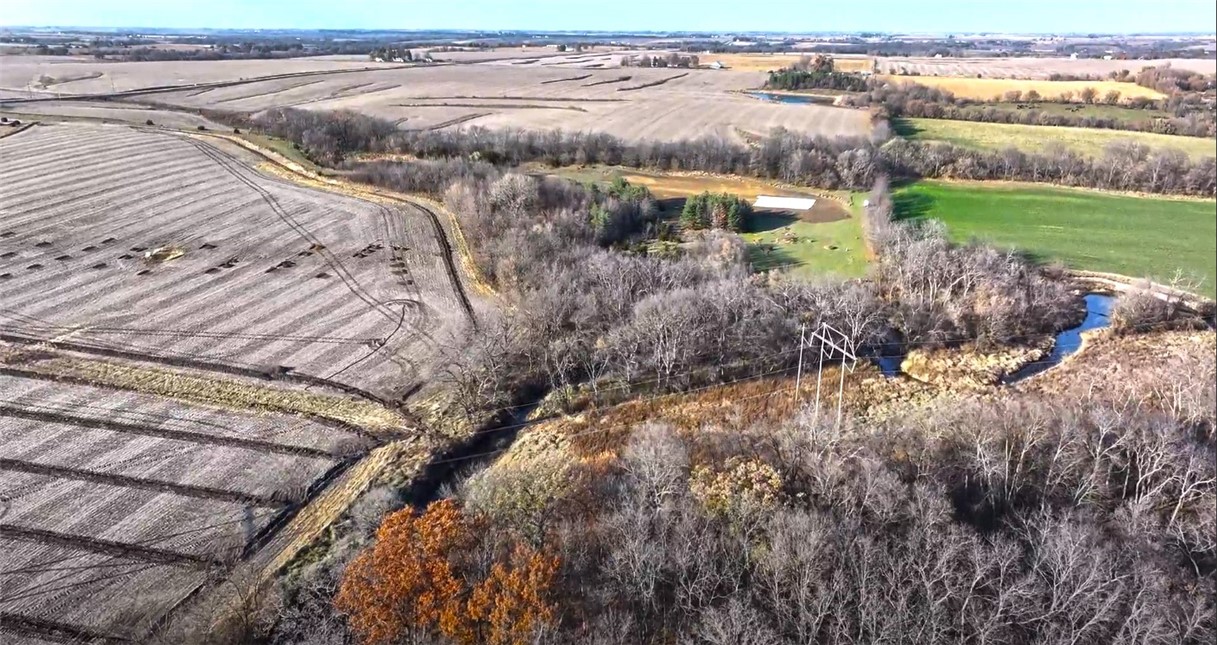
811,253
1037,138
281,146
1116,112
1089,230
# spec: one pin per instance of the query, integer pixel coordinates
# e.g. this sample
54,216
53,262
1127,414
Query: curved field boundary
138,429
270,92
619,79
652,83
302,176
108,547
269,374
565,80
227,395
503,106
517,97
161,89
141,483
18,130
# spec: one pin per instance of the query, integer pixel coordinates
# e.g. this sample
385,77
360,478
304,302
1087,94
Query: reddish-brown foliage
413,581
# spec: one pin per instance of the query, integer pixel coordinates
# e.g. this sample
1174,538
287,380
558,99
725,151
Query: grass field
989,88
1098,110
1085,229
809,249
1037,138
826,240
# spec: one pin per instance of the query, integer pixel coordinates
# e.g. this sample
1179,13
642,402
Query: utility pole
798,378
834,342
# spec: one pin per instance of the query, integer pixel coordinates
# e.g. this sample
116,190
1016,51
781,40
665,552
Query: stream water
803,99
1098,310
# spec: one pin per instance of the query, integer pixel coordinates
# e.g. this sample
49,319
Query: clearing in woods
987,89
1089,230
827,239
1039,138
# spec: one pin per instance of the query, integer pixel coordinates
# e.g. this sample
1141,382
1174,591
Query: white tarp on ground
784,203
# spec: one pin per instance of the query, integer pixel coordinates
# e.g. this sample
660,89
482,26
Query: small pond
799,99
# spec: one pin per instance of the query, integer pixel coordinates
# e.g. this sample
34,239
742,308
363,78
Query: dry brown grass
989,88
222,393
968,368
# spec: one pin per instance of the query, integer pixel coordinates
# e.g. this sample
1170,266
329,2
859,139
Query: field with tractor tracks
172,246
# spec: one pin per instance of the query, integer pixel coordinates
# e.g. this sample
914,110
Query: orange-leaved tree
413,582
406,582
511,603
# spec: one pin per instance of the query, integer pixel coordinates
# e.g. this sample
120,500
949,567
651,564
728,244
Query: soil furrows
92,406
115,448
115,509
70,585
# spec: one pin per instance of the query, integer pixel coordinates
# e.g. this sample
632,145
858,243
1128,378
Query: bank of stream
1066,342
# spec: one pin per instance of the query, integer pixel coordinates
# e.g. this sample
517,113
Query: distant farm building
784,203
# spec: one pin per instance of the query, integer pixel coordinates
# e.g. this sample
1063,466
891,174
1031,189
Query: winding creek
1098,311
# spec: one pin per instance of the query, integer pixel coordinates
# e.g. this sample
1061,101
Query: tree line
836,163
1190,115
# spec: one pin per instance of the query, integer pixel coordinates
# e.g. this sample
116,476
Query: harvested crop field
1030,68
1039,138
33,75
985,89
659,104
170,246
117,505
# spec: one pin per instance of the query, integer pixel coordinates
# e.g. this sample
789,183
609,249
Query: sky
904,16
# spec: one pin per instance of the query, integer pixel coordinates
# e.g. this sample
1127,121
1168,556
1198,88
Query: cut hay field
986,89
1134,236
827,240
1030,68
1039,138
117,505
172,246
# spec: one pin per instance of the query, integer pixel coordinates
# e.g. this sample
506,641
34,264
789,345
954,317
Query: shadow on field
764,221
764,256
911,206
905,128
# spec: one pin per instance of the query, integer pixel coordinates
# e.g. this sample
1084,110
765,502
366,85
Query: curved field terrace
171,246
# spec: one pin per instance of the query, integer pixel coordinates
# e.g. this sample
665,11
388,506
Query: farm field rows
32,75
986,89
632,103
1088,230
1039,138
117,505
256,272
1030,68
